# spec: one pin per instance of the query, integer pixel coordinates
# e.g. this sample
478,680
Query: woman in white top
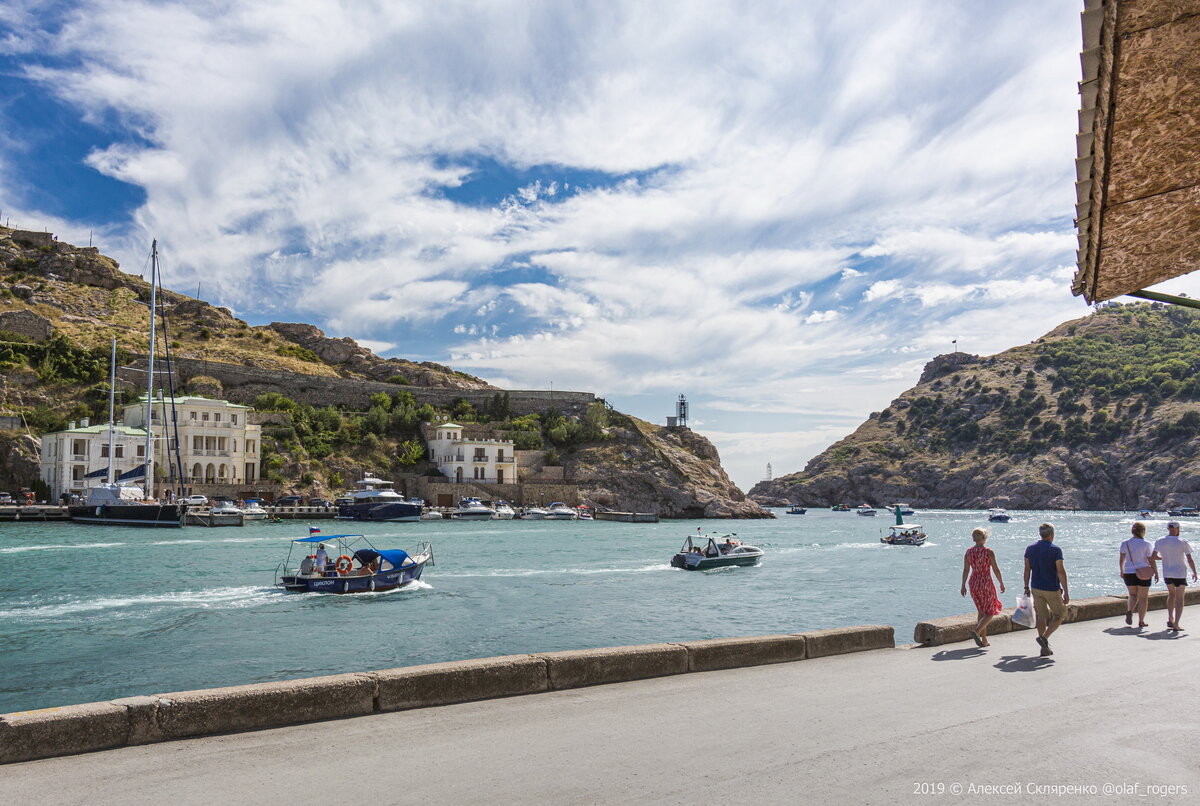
1137,553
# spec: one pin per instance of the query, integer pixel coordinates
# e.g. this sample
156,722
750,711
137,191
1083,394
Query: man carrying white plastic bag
1044,572
1024,612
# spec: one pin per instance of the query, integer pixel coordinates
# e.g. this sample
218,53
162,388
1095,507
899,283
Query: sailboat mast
150,371
112,392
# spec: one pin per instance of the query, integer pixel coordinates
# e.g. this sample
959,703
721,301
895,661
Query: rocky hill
60,305
1103,412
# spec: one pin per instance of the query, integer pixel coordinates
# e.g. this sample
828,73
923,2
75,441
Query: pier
34,512
868,727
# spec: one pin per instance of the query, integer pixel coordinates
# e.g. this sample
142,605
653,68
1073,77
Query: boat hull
998,519
706,563
904,541
385,581
399,511
161,515
471,516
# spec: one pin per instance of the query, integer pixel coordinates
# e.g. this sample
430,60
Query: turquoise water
92,613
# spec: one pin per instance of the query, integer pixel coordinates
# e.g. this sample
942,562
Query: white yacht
377,500
533,514
558,511
503,511
472,509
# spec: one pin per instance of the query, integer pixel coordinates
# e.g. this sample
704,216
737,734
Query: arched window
458,476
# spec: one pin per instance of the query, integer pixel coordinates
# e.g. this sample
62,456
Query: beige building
462,459
69,457
219,447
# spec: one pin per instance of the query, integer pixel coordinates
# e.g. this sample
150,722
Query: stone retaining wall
954,629
89,727
241,384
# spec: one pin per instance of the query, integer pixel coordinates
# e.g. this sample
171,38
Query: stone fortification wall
447,493
26,323
242,384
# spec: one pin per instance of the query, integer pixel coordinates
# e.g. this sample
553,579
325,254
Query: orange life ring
348,561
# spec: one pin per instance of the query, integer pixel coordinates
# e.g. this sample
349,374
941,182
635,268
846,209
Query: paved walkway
924,725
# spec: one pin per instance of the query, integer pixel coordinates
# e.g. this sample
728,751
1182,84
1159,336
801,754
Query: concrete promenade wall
954,629
241,384
71,729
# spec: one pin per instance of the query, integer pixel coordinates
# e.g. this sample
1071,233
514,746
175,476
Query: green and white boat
702,552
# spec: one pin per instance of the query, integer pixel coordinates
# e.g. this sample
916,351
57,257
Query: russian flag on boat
312,530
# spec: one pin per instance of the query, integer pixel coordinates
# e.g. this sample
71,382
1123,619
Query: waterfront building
69,457
219,448
464,459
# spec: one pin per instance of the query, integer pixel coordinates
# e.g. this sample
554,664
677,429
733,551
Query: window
77,473
500,454
204,416
120,451
141,451
192,416
217,417
233,443
233,419
104,450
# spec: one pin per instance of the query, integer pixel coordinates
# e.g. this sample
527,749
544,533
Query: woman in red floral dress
980,562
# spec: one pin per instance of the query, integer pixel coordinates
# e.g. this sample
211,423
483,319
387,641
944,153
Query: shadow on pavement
958,654
1124,630
1021,663
1165,635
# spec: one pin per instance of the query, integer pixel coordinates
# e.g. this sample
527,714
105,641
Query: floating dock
34,512
627,517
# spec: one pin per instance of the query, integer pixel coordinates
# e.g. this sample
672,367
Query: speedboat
253,511
431,515
1144,513
840,508
533,514
905,509
866,510
503,511
1184,512
225,513
377,500
701,552
904,534
585,513
797,510
472,509
355,566
558,511
998,515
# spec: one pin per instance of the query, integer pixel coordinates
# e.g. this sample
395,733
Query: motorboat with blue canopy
349,564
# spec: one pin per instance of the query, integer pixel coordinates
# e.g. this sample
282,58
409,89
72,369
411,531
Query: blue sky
780,210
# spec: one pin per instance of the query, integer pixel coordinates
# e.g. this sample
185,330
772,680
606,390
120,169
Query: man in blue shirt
1044,572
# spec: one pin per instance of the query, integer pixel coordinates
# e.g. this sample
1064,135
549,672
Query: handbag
1143,572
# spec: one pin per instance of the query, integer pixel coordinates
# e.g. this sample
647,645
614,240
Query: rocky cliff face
20,455
1101,413
673,472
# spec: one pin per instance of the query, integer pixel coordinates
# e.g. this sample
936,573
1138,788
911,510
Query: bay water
92,613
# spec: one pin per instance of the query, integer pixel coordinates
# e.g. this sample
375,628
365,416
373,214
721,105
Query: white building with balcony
69,457
219,448
461,459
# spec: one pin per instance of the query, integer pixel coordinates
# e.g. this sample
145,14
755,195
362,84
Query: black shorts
1180,581
1132,581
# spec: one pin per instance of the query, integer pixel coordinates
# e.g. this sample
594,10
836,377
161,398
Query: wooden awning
1138,147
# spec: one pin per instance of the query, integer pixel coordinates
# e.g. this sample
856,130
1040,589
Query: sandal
978,640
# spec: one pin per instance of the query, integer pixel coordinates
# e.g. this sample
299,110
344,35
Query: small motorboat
702,552
225,513
355,566
840,508
905,509
431,515
1144,513
866,510
472,509
558,511
253,511
533,514
503,511
904,534
1184,512
797,510
584,513
998,515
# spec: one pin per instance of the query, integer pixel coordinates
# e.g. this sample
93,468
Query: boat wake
214,598
61,547
533,572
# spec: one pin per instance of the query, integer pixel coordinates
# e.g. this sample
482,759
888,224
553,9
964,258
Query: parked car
289,501
195,500
318,502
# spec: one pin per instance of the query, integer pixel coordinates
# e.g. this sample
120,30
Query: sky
781,210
